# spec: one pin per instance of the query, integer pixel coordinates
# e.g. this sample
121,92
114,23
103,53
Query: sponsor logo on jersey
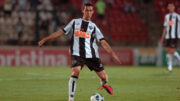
170,23
82,34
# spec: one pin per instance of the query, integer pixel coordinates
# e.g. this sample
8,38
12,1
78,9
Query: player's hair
87,4
171,2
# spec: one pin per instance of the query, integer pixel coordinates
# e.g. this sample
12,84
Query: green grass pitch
51,84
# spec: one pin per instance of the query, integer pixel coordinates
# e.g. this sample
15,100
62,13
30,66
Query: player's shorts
92,63
171,43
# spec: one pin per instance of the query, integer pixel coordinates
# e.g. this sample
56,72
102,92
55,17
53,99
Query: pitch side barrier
50,56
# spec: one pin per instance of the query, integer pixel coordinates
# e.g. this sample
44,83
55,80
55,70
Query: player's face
88,12
171,8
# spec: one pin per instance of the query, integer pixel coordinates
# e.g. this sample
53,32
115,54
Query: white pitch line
58,76
44,77
38,74
25,79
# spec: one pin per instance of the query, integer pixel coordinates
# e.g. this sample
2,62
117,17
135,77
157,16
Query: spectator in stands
101,6
63,18
128,8
44,24
20,29
8,7
10,31
22,4
2,21
33,4
45,5
14,2
56,4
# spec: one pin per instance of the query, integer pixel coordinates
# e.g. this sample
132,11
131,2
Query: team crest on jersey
90,27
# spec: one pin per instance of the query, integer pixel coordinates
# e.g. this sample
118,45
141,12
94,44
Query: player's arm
163,35
52,36
58,33
108,48
164,29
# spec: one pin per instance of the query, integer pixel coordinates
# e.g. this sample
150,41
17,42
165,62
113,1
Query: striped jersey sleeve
68,27
178,26
99,35
165,21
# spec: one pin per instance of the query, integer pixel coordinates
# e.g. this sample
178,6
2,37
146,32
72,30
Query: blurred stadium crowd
123,22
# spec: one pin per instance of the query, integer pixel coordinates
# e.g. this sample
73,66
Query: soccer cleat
168,71
108,89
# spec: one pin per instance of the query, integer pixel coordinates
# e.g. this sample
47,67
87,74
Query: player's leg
96,65
173,49
169,56
76,65
72,82
104,79
170,45
176,54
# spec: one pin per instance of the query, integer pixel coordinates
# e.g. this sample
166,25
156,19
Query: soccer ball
97,97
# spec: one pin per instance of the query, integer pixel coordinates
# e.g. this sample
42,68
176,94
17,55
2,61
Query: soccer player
171,34
84,49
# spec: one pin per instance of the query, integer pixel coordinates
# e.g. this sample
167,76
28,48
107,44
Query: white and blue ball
97,97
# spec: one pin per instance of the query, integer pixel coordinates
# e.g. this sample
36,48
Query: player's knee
75,72
103,77
171,52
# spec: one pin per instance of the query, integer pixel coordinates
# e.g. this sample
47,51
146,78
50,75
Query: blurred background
132,27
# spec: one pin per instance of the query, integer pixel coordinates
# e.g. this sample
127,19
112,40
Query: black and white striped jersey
172,24
83,38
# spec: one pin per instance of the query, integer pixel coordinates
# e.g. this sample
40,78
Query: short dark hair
171,2
87,4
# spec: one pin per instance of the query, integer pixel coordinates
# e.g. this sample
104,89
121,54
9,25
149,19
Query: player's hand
40,43
119,62
117,59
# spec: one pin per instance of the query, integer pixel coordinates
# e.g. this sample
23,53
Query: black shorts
92,63
171,43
